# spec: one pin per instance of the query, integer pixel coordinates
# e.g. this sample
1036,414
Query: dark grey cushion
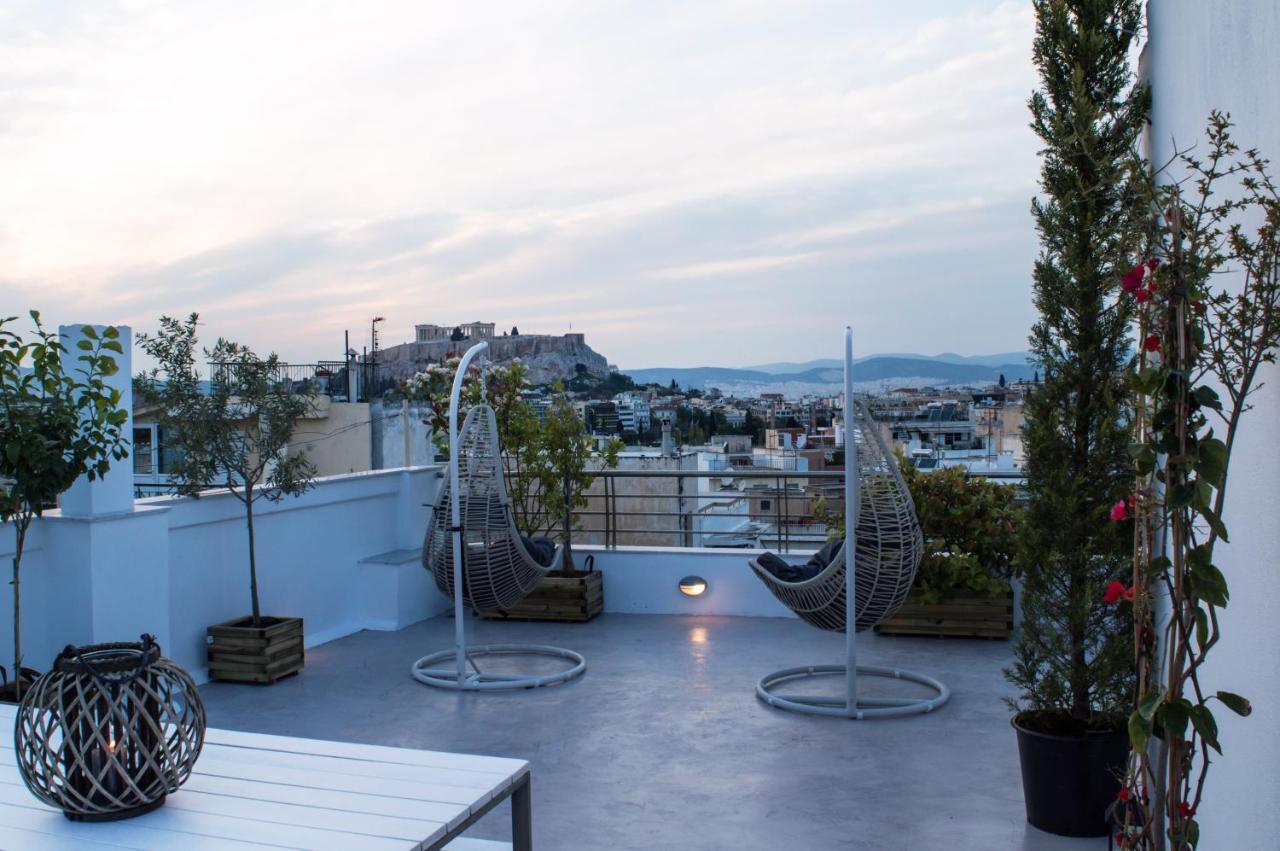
800,572
543,550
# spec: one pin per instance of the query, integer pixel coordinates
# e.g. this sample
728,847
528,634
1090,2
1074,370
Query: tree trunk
566,522
253,561
21,528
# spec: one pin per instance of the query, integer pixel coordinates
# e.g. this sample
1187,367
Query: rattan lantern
109,731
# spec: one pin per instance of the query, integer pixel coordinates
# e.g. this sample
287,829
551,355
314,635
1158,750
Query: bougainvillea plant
1203,338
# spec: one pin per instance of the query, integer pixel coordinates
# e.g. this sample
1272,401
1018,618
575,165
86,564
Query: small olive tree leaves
56,425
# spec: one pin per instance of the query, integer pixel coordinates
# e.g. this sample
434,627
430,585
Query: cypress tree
1073,657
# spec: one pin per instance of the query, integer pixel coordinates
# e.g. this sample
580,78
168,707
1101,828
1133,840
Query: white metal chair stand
476,554
838,598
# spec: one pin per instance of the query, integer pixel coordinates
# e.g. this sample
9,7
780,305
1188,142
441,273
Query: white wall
1220,54
173,566
642,580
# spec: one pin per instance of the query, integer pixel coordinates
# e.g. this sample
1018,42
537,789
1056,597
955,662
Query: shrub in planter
970,530
234,434
55,426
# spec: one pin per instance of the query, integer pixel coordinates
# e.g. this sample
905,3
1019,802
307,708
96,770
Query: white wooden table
253,791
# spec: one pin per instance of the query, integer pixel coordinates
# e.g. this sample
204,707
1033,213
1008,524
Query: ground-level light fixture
693,586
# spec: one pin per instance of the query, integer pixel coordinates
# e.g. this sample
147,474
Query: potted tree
963,585
548,461
1073,658
556,466
233,432
56,427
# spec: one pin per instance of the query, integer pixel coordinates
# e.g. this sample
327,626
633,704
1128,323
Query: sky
709,183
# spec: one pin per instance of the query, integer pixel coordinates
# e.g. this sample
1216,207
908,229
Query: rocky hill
550,358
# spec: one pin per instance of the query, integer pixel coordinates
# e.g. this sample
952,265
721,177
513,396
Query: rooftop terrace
663,744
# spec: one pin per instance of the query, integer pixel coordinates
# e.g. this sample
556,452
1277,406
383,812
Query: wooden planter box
558,597
965,615
245,653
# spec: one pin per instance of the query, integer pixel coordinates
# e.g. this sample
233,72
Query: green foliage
970,529
549,459
236,434
1073,656
1199,338
58,425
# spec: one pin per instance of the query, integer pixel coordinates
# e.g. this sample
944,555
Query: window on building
766,505
168,454
143,459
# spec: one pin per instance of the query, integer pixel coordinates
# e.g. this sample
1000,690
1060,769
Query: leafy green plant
1073,663
549,460
58,425
969,527
1196,335
234,434
970,530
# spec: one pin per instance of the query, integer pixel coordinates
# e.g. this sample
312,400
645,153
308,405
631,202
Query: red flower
1186,810
1120,511
1142,295
1153,263
1123,794
1132,280
1115,593
1128,595
1152,343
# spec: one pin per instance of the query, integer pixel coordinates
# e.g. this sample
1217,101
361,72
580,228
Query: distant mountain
874,372
1001,359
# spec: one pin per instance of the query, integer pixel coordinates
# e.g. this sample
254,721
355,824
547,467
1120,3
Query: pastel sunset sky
687,183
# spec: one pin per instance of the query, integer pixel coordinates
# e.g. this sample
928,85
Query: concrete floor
663,744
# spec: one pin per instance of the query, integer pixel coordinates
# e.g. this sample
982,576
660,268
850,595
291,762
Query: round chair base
867,707
431,670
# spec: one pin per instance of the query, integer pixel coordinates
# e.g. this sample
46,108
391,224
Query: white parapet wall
342,556
645,580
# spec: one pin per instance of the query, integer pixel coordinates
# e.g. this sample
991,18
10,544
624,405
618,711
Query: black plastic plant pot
1070,781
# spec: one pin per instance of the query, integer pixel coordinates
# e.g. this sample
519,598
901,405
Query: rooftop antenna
373,333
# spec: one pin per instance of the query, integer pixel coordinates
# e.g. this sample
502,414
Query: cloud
686,183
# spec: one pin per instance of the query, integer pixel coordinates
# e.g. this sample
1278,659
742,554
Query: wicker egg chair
884,535
889,546
478,558
498,570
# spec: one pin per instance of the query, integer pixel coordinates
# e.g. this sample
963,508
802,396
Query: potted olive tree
962,587
55,426
549,462
1073,658
233,432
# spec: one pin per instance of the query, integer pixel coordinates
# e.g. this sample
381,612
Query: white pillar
112,493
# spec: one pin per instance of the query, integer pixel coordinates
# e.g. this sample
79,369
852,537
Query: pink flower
1123,794
1115,593
1152,343
1186,810
1120,511
1132,280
